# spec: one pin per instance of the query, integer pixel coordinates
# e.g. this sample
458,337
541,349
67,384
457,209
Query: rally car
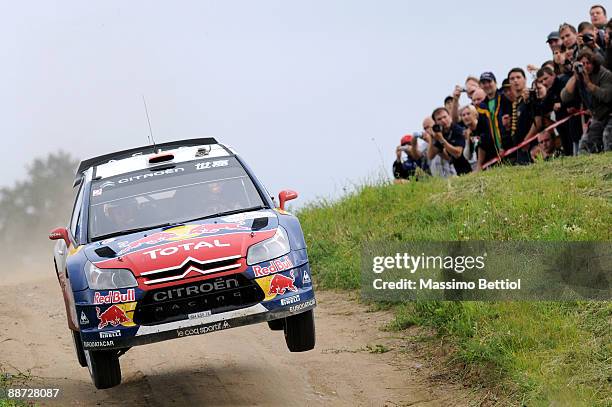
173,240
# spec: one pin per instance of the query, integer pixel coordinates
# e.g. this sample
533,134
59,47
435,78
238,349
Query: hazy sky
315,95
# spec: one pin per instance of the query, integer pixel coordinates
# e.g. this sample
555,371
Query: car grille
217,295
202,267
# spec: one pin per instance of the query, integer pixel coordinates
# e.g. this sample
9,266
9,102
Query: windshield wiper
128,231
226,213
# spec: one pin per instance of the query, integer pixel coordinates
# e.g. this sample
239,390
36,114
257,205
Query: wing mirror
60,233
286,195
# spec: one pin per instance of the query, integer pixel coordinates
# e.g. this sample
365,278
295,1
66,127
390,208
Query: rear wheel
277,324
78,347
300,332
104,368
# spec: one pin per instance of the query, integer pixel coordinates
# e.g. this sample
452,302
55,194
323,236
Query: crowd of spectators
516,123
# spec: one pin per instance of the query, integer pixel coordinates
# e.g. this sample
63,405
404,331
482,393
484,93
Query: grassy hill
531,352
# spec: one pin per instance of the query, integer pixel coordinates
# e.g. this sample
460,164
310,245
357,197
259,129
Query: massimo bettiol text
458,264
489,271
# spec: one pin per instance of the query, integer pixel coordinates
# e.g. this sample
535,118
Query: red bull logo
112,316
280,284
181,233
114,297
274,266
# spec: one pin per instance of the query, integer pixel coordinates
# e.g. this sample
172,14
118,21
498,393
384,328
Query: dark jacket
598,102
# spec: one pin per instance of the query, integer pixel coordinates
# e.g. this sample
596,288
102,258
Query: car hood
208,241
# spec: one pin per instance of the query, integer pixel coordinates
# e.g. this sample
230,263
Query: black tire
300,332
104,368
78,348
277,324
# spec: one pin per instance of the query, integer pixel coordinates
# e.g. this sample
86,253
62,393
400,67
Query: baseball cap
554,35
406,139
506,83
487,76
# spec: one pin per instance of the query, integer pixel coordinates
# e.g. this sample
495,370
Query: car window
172,194
76,213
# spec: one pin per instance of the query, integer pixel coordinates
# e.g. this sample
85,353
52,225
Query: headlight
106,279
276,246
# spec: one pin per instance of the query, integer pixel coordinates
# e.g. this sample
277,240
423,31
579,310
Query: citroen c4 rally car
174,240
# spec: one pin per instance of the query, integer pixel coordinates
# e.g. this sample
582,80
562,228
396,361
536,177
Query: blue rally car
173,240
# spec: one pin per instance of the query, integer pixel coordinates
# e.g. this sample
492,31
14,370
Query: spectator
506,89
496,109
554,40
437,166
569,38
546,148
599,16
471,85
404,169
478,97
587,37
471,133
448,103
524,112
552,104
593,84
448,141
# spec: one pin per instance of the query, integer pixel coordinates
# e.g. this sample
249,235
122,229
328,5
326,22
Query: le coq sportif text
410,263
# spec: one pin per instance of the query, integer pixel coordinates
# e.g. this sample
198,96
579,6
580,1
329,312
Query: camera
579,68
437,128
587,38
533,95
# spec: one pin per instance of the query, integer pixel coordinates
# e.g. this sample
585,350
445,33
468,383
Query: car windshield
169,194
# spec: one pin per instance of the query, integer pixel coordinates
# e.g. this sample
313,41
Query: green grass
12,380
532,352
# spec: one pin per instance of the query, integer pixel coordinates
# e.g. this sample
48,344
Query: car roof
135,159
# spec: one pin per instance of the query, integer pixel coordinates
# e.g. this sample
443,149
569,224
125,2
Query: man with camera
587,35
448,141
569,39
592,83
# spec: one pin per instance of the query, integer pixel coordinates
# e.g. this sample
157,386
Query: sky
314,95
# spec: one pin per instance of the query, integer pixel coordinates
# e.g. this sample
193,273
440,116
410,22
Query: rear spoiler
119,155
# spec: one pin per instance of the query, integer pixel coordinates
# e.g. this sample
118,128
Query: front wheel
300,332
78,347
104,368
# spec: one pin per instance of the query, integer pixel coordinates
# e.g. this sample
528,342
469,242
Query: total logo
274,266
114,297
169,251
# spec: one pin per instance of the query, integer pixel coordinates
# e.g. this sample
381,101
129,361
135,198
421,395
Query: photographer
404,169
448,141
569,38
593,84
587,38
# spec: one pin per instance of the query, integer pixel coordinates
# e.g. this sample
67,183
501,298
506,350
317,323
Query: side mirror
286,195
60,233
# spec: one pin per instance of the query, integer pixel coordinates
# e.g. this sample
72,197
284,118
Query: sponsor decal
301,306
290,300
96,192
196,289
199,330
273,267
181,233
83,320
306,278
114,297
98,344
241,217
110,334
107,241
150,175
171,250
211,164
197,315
116,315
279,284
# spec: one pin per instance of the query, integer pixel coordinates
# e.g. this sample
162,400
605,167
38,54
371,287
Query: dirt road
243,366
